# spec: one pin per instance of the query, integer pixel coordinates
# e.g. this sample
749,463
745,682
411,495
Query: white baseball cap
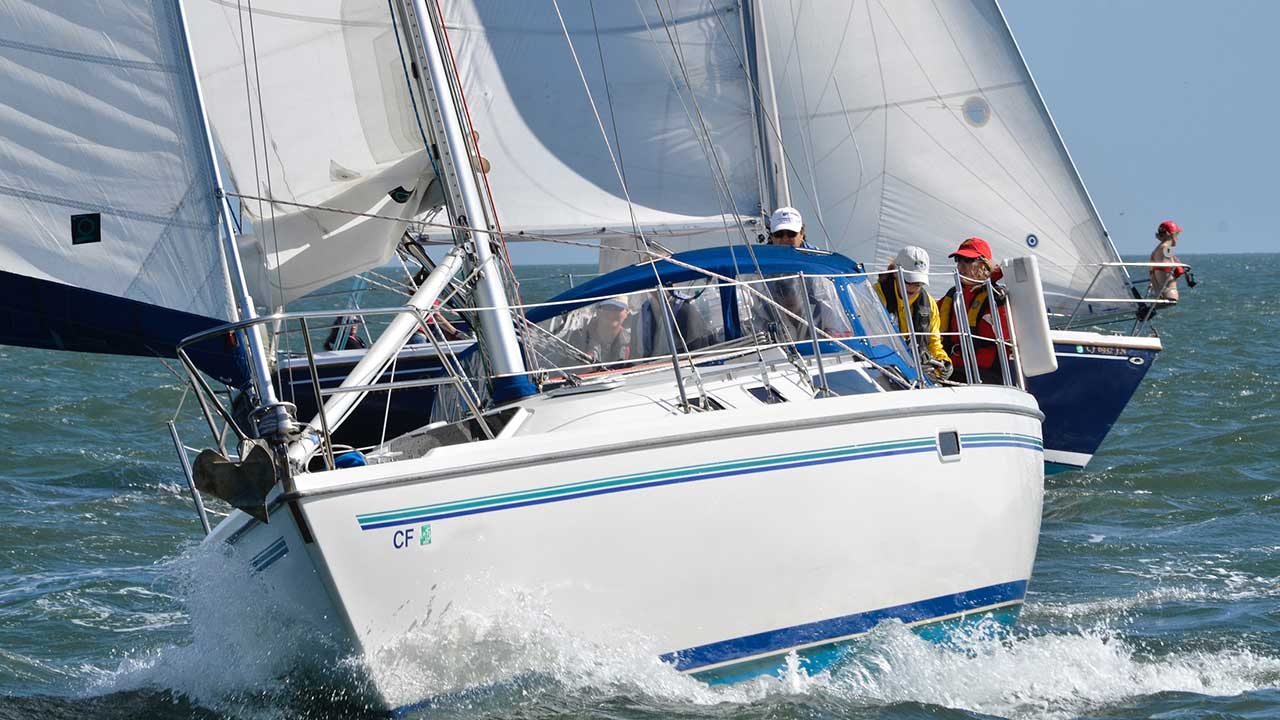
786,218
914,262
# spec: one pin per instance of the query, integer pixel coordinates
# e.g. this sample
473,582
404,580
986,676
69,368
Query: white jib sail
311,105
105,182
668,83
916,122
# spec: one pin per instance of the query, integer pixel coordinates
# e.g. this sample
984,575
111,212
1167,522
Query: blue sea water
1156,590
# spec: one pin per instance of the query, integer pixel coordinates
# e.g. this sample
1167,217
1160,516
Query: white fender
1029,316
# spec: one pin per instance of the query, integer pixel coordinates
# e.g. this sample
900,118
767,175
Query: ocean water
1156,590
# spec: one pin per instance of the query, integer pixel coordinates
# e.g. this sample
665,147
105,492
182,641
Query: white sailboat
653,496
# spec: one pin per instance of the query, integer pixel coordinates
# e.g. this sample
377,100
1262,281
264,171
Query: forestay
107,203
311,105
917,122
672,95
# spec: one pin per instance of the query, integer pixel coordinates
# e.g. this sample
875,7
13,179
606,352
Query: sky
1169,109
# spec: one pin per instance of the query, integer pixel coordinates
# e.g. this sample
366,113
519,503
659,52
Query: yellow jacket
932,339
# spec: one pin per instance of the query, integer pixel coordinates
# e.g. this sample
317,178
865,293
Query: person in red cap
975,264
1164,278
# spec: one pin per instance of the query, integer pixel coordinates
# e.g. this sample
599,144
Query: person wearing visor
922,311
605,338
1164,278
975,265
786,227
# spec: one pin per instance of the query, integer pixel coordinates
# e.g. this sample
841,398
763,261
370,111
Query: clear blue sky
1169,108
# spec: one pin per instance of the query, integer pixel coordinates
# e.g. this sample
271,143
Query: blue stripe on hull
1084,397
745,466
780,641
641,486
825,657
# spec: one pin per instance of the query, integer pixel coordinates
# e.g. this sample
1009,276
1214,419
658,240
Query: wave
521,662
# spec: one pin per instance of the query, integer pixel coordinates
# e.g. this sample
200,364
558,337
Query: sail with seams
312,107
663,82
107,192
918,123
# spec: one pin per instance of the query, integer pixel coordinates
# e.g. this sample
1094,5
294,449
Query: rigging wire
474,139
771,122
616,165
718,168
247,49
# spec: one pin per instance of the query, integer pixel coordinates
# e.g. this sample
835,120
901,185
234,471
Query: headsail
311,106
672,95
107,203
917,123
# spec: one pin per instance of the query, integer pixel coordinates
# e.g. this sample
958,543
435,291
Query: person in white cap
605,338
913,263
786,227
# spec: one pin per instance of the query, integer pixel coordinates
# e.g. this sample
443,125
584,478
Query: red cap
1169,226
972,248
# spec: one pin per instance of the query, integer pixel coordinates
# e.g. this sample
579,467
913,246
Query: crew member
975,264
913,262
786,227
1164,278
605,338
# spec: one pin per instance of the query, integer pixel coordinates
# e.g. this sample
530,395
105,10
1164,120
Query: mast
274,418
467,207
760,76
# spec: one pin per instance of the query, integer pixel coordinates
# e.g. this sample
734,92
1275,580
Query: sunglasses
960,259
785,234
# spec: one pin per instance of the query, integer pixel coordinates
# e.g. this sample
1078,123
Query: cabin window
885,340
848,382
706,402
598,336
699,320
949,445
620,331
766,394
777,305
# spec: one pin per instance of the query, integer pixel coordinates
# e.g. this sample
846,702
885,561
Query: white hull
718,538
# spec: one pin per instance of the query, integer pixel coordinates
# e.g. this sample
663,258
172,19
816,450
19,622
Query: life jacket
921,313
978,307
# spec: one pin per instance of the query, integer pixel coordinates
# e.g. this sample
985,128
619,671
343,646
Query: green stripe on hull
637,478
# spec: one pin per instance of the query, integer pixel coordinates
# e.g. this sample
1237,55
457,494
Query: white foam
1045,676
460,651
242,661
243,646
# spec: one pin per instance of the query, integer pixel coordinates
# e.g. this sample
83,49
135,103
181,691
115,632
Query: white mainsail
916,122
676,107
107,198
311,106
